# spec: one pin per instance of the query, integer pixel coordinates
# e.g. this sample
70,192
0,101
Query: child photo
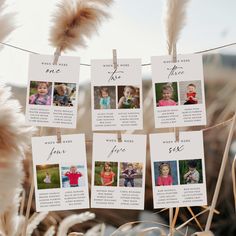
190,171
64,94
40,93
104,97
165,173
105,173
128,97
166,94
48,176
190,92
131,174
72,176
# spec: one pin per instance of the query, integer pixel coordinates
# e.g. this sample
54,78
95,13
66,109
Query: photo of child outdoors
165,173
105,173
190,171
190,92
128,97
72,176
104,97
48,176
64,94
131,174
166,94
40,93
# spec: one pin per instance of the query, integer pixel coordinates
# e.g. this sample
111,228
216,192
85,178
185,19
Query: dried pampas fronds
14,141
73,23
175,15
72,220
6,21
51,231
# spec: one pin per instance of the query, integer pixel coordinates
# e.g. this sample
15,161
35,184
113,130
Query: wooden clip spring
114,56
58,130
57,54
119,138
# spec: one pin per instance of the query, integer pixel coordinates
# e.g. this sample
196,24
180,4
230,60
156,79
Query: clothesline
145,64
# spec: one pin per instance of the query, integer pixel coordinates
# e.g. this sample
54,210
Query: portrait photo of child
165,173
128,97
105,174
40,93
190,92
190,171
104,97
166,94
72,176
131,174
64,94
48,176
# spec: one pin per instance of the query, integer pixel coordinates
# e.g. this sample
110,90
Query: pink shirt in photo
162,181
162,103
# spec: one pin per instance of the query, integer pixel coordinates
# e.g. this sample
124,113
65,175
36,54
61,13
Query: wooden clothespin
119,138
114,56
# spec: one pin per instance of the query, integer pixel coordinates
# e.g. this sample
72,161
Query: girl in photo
129,100
73,176
47,179
42,96
105,99
164,177
107,175
167,94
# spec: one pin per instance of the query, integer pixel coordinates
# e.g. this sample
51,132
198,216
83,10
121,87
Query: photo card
60,173
178,89
118,171
52,93
116,95
178,170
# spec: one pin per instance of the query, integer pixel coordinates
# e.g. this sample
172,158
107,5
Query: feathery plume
51,231
72,220
6,21
73,23
175,16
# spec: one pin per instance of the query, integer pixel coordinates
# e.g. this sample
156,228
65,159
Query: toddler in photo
107,175
129,175
73,176
167,94
105,99
129,100
164,177
42,96
191,95
47,179
192,176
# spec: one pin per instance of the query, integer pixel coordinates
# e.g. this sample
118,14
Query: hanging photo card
178,88
116,95
118,171
60,173
178,170
52,93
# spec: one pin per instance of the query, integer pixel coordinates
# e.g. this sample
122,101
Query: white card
178,89
178,170
116,97
60,173
118,171
52,93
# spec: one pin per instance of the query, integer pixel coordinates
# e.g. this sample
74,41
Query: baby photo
131,174
190,92
105,173
40,93
190,171
104,97
72,176
48,176
166,94
165,173
64,94
128,97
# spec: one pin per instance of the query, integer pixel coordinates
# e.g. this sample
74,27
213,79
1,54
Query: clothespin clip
114,55
57,53
119,138
174,60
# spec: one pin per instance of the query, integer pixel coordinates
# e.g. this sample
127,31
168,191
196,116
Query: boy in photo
192,176
129,175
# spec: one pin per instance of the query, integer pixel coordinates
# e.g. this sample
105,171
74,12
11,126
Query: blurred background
136,30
